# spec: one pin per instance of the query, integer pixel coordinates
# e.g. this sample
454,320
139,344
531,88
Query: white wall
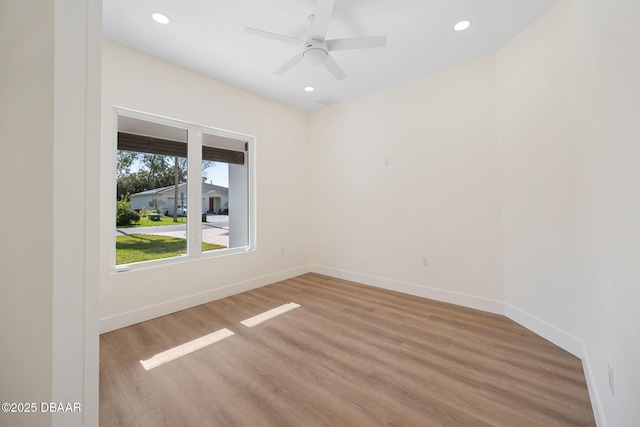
536,95
611,153
140,82
568,132
408,172
48,116
27,293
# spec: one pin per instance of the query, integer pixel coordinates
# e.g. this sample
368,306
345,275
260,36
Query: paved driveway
215,230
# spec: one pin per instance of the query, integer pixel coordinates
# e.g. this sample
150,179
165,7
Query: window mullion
194,162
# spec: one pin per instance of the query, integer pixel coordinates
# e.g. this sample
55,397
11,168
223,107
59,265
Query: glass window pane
224,193
151,191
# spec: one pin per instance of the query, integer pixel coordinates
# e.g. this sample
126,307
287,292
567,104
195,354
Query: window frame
194,190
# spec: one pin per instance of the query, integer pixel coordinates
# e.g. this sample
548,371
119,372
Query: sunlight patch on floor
184,349
256,320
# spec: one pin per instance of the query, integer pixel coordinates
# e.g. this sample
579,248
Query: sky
218,174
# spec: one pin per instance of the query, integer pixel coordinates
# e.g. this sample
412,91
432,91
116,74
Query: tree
205,165
131,183
159,170
124,162
153,171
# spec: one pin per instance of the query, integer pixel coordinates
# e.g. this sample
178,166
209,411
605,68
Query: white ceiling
208,36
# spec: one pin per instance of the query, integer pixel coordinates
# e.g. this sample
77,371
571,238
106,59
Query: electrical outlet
611,385
425,260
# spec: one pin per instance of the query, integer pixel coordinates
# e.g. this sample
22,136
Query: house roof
206,189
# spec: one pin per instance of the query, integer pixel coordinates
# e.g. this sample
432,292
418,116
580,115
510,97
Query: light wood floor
351,355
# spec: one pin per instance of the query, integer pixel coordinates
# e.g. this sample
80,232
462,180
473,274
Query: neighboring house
214,198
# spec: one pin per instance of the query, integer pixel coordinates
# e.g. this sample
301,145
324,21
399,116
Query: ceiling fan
316,48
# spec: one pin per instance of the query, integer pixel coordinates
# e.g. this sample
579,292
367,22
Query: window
182,191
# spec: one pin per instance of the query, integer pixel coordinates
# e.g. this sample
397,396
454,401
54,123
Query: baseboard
122,320
479,303
594,396
568,343
546,330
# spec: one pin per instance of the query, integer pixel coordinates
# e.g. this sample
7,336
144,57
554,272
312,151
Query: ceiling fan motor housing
316,53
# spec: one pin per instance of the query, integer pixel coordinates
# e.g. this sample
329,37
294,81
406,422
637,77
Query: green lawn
145,247
164,220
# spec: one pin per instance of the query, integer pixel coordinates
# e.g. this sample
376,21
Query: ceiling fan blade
293,61
356,43
273,36
320,23
334,68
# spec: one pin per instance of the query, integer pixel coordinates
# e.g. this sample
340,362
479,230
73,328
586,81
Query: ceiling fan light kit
315,54
316,49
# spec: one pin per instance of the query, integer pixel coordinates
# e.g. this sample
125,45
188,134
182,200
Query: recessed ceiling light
309,89
160,18
462,25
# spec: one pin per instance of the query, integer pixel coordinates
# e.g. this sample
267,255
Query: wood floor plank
350,355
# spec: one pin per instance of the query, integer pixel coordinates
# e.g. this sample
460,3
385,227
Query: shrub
124,215
143,212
